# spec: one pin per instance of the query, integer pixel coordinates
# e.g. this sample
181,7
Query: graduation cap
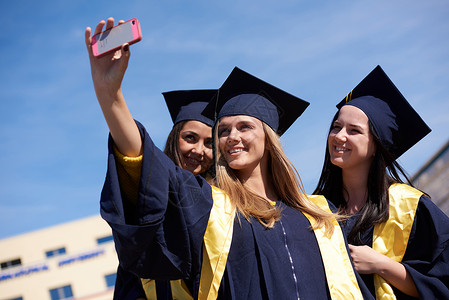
397,124
185,105
245,94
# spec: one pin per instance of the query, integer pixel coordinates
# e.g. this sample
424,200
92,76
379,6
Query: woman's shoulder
400,193
221,199
322,202
425,208
216,190
404,189
428,209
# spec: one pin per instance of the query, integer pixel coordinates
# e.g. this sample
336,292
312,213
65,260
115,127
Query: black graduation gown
127,286
161,238
427,255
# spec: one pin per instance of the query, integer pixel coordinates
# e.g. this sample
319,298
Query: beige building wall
433,178
84,265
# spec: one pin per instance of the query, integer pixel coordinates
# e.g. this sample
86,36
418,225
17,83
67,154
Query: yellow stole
178,287
217,243
391,237
339,272
340,275
149,287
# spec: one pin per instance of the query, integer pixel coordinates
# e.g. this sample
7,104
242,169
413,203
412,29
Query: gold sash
217,243
178,287
391,237
339,272
337,265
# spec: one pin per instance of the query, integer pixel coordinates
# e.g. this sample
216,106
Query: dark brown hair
172,150
172,144
384,171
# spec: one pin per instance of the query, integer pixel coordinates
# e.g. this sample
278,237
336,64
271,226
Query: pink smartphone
112,39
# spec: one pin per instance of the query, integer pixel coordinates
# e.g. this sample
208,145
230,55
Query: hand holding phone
112,39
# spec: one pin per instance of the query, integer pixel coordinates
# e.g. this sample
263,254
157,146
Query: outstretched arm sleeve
160,235
427,254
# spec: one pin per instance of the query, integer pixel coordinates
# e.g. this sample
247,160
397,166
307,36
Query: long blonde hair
287,184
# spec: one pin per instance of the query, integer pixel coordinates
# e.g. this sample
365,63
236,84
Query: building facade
75,260
433,178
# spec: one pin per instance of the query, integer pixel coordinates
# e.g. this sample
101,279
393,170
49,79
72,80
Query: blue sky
52,133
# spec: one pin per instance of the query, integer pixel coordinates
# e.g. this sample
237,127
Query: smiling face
241,141
351,144
195,146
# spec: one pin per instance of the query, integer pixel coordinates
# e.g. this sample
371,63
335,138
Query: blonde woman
256,236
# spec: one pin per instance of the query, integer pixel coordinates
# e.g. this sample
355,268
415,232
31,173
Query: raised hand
107,71
107,75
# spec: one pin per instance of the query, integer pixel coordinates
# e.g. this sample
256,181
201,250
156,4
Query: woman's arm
107,75
367,261
427,254
160,237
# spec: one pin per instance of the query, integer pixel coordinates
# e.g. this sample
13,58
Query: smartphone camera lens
134,22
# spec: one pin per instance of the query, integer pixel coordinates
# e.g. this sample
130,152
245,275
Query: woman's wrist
382,264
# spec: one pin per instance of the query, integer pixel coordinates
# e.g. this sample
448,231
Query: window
110,279
11,263
105,239
64,292
55,252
